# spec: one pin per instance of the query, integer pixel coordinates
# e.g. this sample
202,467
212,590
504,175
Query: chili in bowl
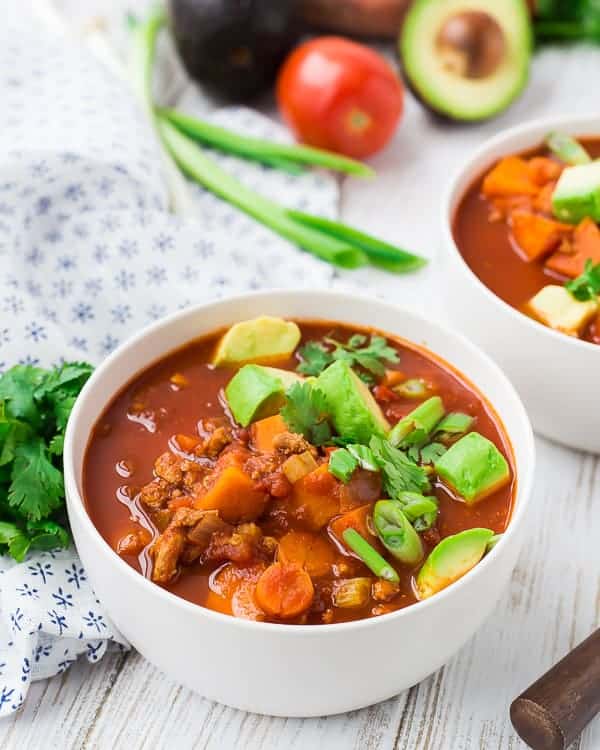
282,494
522,268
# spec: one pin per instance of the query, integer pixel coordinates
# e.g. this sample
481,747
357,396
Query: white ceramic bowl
291,670
558,377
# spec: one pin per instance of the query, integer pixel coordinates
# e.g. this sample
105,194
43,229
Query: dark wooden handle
551,713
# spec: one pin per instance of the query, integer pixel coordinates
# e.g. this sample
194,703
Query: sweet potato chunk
543,200
535,235
264,431
311,551
284,590
357,519
585,245
234,495
543,170
315,499
511,176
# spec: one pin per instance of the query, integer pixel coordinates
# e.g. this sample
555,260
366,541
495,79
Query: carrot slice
284,590
312,552
535,235
264,431
234,495
511,176
585,246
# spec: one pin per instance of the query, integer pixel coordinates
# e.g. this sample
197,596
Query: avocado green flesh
255,392
354,412
453,95
577,193
473,467
451,559
262,339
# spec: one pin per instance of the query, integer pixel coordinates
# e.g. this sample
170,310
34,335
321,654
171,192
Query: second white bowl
558,377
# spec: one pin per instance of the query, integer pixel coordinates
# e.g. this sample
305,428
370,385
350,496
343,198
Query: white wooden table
553,601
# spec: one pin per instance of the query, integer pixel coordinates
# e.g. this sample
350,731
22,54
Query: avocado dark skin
234,47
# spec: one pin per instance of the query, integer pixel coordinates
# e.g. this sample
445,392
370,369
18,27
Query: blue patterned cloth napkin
88,255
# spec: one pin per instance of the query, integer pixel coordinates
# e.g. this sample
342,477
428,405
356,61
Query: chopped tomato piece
543,170
234,495
311,551
384,394
535,235
284,590
511,176
315,498
264,431
585,246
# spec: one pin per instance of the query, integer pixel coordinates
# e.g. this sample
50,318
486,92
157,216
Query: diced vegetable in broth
275,493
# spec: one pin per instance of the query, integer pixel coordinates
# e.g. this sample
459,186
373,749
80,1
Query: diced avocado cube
261,340
416,426
473,467
451,559
555,307
255,392
577,193
354,412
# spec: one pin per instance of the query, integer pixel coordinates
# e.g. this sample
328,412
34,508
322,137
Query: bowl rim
76,504
468,172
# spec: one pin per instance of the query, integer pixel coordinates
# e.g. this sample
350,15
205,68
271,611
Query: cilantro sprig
399,472
368,355
587,286
305,412
34,408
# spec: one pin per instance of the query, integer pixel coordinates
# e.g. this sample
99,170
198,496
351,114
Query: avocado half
466,59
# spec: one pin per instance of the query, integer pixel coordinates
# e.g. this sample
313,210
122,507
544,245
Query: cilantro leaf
369,357
430,453
315,358
305,412
36,489
17,390
587,286
47,535
399,473
342,464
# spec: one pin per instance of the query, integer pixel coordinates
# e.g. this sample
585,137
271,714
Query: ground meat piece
165,552
384,591
216,435
265,470
156,494
162,518
242,545
168,467
431,537
202,531
288,443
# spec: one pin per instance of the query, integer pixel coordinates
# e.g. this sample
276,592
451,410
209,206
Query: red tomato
340,95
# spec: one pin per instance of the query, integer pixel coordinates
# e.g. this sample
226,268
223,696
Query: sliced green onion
380,253
420,510
414,428
258,149
364,456
203,170
455,423
413,388
369,555
567,149
342,465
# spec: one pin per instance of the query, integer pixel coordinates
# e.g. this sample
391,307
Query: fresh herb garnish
567,20
399,472
587,286
34,408
369,357
305,412
428,454
364,456
342,464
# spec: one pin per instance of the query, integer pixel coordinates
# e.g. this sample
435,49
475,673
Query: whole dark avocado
234,47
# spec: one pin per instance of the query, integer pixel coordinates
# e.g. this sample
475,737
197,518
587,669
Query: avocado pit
471,44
